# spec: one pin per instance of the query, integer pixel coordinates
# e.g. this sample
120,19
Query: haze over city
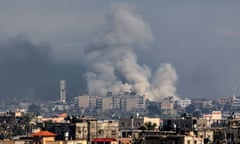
158,48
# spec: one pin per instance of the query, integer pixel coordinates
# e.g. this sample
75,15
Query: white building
215,116
184,102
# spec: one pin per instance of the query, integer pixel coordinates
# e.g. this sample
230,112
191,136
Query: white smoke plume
113,63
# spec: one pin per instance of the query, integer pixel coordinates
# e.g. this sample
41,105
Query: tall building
62,91
124,102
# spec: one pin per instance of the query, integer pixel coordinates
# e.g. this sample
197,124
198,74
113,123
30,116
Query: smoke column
113,63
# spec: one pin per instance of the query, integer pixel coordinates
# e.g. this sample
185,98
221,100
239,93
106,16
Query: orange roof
64,115
44,134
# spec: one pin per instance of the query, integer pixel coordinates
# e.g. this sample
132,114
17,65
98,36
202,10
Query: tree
148,126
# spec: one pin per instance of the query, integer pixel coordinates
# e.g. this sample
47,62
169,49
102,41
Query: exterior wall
203,123
7,142
106,103
216,115
116,103
206,134
192,140
141,102
127,124
93,130
131,103
87,101
83,101
107,129
81,130
45,140
124,102
152,120
213,117
167,110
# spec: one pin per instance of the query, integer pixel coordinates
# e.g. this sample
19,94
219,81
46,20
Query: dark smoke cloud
27,72
23,68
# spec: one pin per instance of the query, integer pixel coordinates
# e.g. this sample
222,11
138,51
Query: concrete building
137,122
83,101
92,129
182,103
167,110
235,103
123,102
107,129
62,88
167,107
82,130
89,101
106,103
214,117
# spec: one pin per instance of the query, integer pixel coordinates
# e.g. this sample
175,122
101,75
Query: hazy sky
42,42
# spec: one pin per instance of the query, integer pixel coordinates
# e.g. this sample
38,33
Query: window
113,132
100,132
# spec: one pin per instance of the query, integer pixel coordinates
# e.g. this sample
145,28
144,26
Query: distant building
235,103
182,103
106,103
62,88
88,101
214,117
123,102
168,107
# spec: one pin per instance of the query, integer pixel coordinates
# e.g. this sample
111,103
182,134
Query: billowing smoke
163,81
23,68
113,63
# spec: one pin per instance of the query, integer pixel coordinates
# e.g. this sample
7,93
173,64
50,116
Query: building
89,101
122,102
137,122
235,103
62,88
167,107
43,137
214,117
106,103
182,103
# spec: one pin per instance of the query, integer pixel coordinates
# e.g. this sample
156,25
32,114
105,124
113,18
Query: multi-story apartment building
235,103
124,102
106,103
93,129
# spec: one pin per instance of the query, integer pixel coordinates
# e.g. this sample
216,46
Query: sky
187,48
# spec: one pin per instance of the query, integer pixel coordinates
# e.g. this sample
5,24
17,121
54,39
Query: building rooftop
44,134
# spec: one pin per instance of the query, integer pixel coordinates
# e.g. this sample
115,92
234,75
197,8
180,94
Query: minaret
63,91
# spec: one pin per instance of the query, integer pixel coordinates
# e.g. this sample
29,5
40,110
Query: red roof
64,115
44,134
104,140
